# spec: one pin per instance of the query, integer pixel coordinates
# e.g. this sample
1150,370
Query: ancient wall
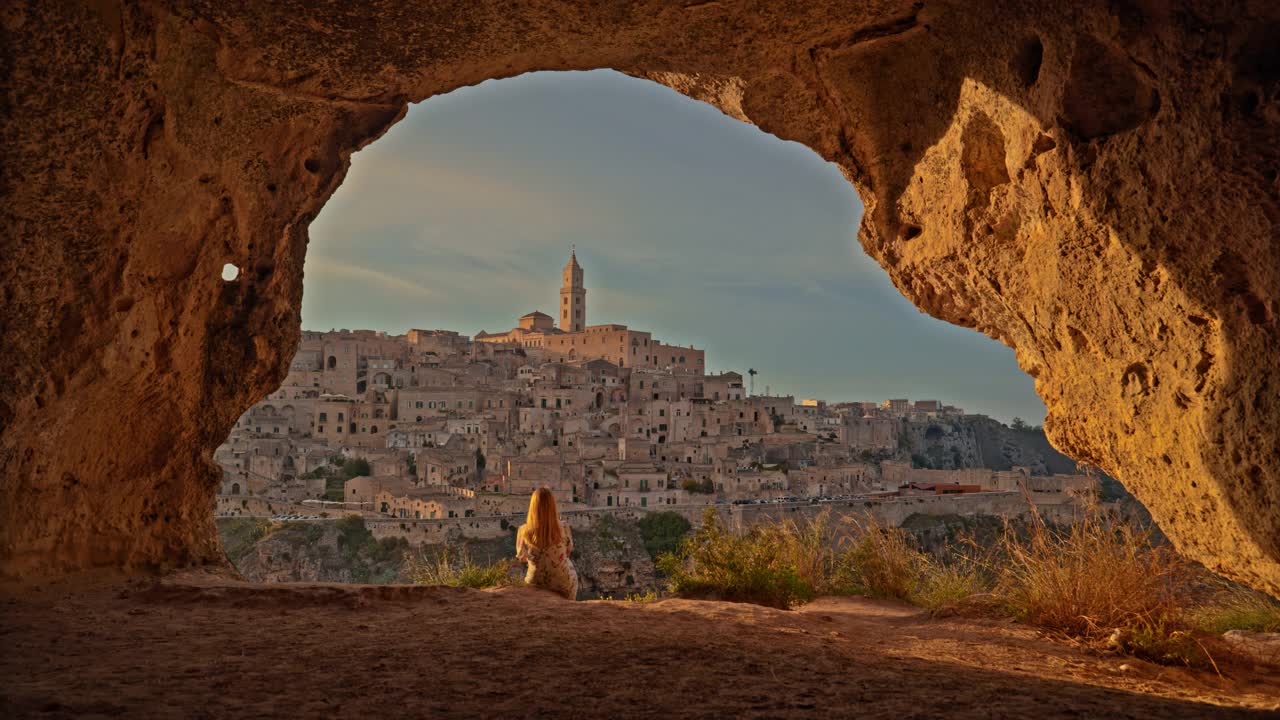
890,511
1092,183
454,529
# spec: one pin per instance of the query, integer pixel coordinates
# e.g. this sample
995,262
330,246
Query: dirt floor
200,646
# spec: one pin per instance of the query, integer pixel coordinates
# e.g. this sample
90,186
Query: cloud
327,270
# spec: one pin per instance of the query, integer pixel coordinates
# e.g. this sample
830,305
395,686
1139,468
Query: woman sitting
546,545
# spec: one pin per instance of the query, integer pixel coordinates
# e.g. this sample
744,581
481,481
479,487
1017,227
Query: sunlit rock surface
1094,184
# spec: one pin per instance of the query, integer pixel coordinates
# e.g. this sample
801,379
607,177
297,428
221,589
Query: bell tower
573,296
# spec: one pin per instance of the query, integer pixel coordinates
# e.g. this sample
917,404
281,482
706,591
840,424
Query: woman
546,544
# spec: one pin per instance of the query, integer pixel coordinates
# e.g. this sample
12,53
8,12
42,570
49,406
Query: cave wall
1093,184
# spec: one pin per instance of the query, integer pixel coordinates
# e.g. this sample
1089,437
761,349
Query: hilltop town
444,436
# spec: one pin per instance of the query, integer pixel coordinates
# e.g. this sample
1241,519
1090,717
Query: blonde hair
542,526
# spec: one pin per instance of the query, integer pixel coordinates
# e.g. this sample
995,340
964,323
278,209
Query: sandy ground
200,646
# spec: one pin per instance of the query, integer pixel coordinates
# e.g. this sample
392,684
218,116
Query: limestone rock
1092,183
1259,646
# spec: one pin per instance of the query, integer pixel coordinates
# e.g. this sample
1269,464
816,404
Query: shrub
1090,578
883,561
753,567
662,532
608,533
815,549
457,569
949,586
1163,641
1233,607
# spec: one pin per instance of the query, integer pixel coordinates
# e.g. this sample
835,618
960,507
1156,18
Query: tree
662,532
1018,424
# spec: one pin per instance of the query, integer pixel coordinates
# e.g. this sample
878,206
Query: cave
1092,184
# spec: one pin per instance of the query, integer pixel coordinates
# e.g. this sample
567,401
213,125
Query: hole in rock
1026,64
589,282
230,272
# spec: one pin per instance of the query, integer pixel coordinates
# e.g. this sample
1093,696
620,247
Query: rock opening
185,113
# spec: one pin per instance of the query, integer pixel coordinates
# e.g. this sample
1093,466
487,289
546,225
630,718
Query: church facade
575,340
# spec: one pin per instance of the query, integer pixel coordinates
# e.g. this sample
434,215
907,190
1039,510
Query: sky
689,224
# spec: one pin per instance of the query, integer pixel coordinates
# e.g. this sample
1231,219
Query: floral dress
550,568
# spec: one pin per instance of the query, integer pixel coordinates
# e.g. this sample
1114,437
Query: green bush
753,567
662,532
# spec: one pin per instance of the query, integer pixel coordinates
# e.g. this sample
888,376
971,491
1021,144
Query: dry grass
1233,607
1100,580
954,586
457,569
1090,578
883,560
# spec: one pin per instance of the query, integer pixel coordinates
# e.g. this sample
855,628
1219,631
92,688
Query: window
324,417
340,418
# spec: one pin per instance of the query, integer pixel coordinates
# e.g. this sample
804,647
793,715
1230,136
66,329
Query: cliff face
1092,183
312,552
612,561
978,441
610,556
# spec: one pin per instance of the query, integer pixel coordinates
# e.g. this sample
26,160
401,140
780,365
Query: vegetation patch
241,535
753,567
370,560
338,472
1102,580
662,532
455,568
